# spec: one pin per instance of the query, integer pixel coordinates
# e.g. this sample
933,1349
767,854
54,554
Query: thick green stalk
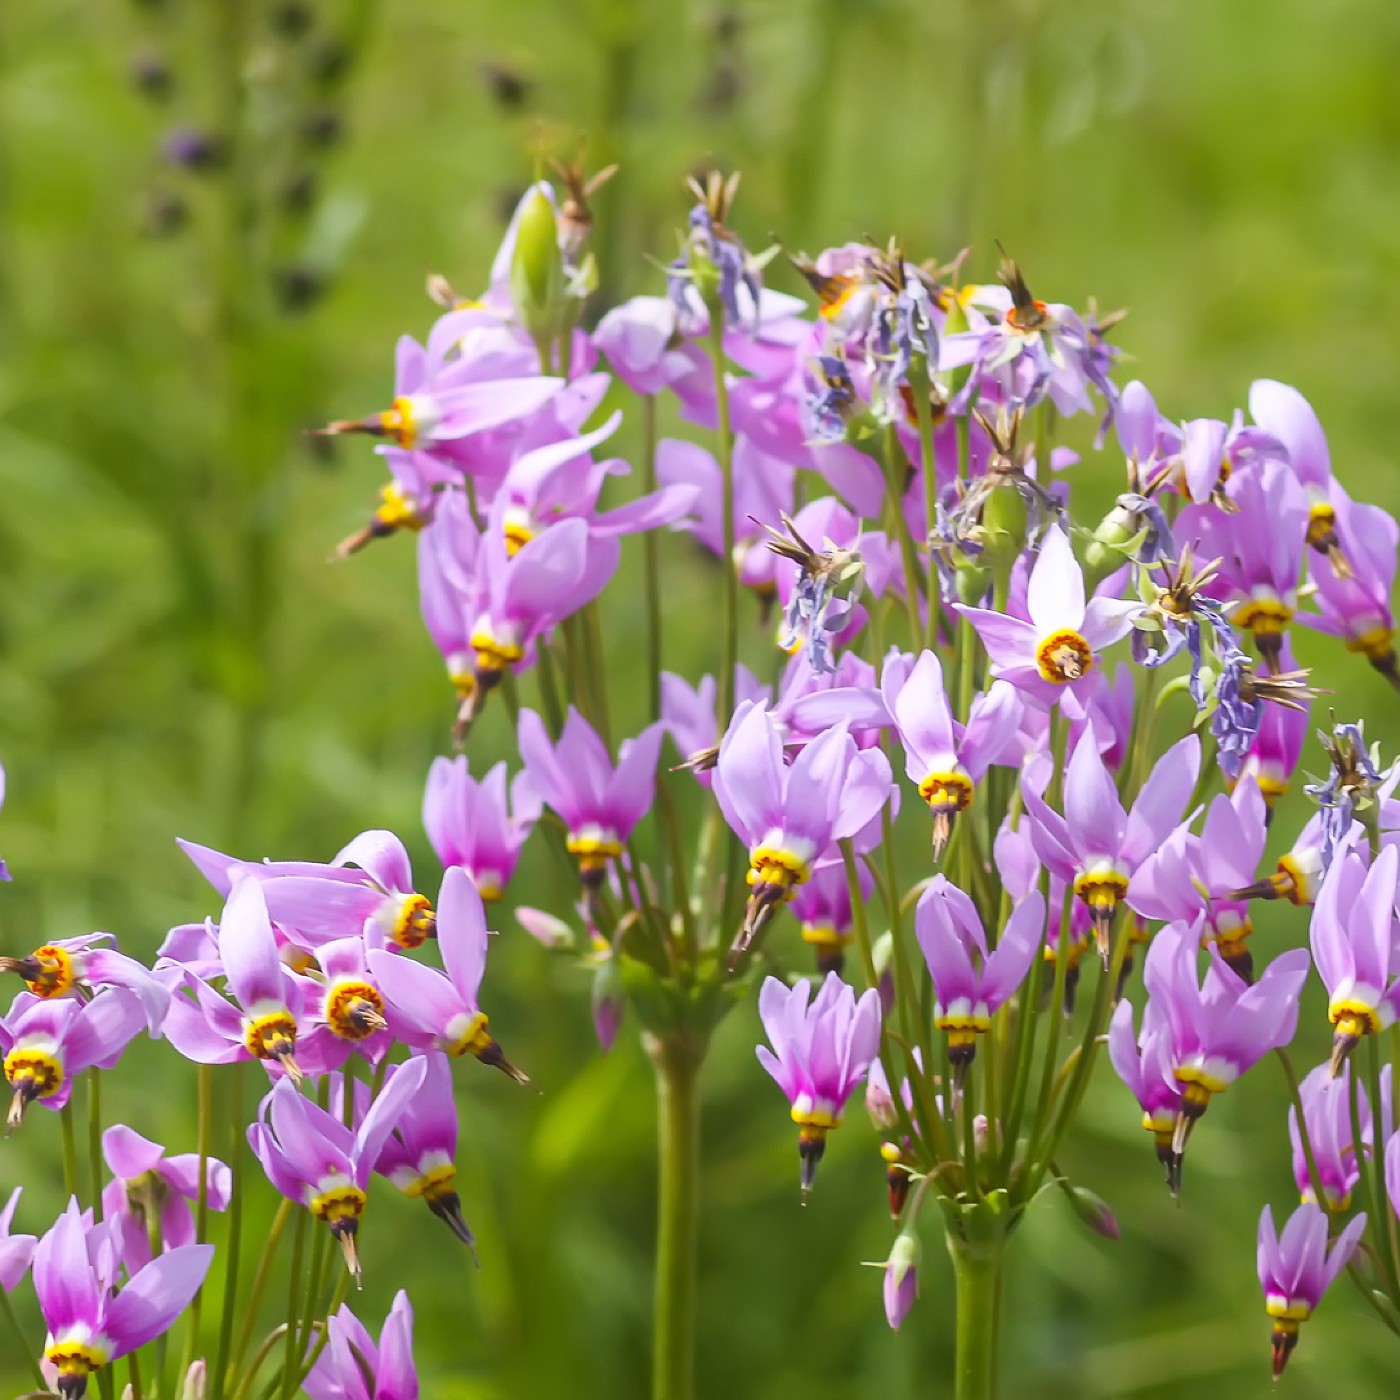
677,1060
977,1272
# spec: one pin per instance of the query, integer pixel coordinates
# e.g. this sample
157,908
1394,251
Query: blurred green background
177,657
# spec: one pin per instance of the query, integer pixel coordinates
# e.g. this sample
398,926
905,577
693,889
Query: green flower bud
537,268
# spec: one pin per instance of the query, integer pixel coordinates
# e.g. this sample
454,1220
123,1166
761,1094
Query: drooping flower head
820,1054
472,825
439,1010
600,803
417,1156
352,1368
47,1044
789,816
312,1158
1335,1152
969,981
78,966
149,1195
1145,1066
1221,1025
90,1326
1296,1268
1351,936
947,759
1096,844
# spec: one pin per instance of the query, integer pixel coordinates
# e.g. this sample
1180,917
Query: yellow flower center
415,923
474,1040
433,1184
825,935
1265,617
273,1036
493,655
1376,644
339,1205
518,534
74,1361
1063,656
777,869
34,1074
1028,320
354,1010
1355,1018
947,792
396,511
1322,525
1102,891
56,971
815,1123
397,422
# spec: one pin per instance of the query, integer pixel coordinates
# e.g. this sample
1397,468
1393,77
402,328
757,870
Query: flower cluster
1098,721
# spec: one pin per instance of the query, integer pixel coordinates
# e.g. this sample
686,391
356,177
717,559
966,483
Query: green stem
95,1140
977,1272
651,559
30,1359
289,1365
677,1060
220,1377
204,1115
70,1150
730,655
259,1284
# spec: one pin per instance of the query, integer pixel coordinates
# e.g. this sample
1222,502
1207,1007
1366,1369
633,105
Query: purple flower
269,1013
1145,1066
1060,643
431,1009
70,965
1355,605
820,1053
312,1158
1350,935
789,816
417,1156
1260,549
16,1251
1096,844
1219,1027
599,803
1284,413
823,908
471,825
947,759
149,1197
1297,1268
75,1268
47,1044
353,1368
969,981
319,902
1327,1119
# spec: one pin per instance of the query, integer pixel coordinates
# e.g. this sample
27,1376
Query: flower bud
196,1381
537,267
545,928
607,1002
902,1277
1093,1210
1005,524
1118,536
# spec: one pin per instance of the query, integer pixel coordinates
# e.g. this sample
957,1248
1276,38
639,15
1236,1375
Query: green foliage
180,659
